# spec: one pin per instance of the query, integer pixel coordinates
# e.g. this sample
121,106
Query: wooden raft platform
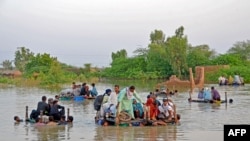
209,101
206,101
137,121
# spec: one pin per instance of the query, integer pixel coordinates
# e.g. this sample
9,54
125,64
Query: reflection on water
199,121
136,133
45,133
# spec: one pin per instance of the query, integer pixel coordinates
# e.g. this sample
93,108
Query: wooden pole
175,115
192,84
68,113
117,121
26,114
190,97
226,97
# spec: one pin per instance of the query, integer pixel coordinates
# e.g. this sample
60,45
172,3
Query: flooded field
199,121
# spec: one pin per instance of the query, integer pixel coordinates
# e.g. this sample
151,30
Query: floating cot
27,119
124,119
210,101
206,101
134,122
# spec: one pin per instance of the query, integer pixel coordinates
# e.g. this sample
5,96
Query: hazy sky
88,31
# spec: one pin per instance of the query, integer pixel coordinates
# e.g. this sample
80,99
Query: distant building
10,73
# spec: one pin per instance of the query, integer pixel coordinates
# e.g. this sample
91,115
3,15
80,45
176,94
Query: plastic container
100,122
123,124
65,98
78,98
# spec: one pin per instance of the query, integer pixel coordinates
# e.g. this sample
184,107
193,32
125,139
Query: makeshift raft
124,119
210,101
136,122
206,101
28,119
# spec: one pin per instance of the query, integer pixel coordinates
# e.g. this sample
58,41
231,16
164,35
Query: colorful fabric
201,95
153,107
129,94
216,95
126,101
207,95
138,107
94,92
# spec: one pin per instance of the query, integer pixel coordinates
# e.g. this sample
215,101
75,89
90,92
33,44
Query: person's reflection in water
126,133
204,107
115,133
145,133
167,133
47,133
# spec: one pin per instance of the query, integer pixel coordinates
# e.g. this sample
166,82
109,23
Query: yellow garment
218,102
105,99
230,80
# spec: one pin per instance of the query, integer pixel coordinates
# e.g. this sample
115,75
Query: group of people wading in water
111,104
48,113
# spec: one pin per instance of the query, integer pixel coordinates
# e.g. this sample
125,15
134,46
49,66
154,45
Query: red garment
153,107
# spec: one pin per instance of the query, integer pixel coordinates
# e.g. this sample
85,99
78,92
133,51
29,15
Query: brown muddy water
199,121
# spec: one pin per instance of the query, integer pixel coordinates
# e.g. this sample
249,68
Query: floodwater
199,121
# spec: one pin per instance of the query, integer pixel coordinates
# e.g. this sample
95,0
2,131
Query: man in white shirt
110,106
166,110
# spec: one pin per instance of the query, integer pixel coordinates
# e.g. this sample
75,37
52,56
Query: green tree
157,61
157,37
177,52
55,74
49,69
7,64
87,68
143,52
199,55
41,63
119,54
22,57
241,48
229,59
126,68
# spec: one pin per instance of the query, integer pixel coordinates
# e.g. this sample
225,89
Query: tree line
163,57
173,55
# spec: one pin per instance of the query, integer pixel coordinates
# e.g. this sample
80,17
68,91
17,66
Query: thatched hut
10,73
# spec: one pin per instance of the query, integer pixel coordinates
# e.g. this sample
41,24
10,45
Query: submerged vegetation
162,58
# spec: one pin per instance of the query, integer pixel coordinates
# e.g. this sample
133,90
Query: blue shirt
207,95
94,91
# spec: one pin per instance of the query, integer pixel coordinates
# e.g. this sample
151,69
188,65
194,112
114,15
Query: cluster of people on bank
48,113
236,80
111,103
